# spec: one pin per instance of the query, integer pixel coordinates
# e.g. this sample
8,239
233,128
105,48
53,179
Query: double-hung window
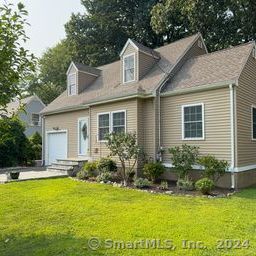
35,119
103,125
193,122
72,84
254,122
118,121
129,68
111,122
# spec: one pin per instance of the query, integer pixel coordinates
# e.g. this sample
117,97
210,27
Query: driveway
30,173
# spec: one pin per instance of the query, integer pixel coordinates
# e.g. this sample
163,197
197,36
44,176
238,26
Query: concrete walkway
32,173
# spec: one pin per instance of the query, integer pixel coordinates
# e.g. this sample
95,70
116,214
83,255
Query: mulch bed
172,189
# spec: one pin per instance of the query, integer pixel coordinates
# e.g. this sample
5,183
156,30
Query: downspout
43,142
232,125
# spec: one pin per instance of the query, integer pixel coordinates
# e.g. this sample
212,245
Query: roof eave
87,105
199,88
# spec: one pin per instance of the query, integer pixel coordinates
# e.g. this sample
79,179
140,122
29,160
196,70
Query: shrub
183,158
153,171
185,184
204,185
124,146
213,168
164,185
83,175
35,147
105,177
106,164
91,168
13,142
142,183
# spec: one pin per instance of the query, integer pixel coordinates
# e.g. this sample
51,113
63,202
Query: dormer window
129,68
72,84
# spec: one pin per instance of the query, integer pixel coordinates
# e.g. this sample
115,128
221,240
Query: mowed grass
59,216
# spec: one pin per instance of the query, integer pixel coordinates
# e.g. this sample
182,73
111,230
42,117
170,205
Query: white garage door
56,146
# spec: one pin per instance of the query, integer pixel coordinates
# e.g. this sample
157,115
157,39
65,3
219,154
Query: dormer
79,77
136,61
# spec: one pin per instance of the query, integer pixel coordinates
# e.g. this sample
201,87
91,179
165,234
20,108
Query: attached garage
56,146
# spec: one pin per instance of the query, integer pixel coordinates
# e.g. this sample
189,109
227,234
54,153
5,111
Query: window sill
193,139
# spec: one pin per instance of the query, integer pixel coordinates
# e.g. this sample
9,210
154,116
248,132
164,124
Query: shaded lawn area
58,216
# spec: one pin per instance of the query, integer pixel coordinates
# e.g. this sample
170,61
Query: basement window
193,122
254,123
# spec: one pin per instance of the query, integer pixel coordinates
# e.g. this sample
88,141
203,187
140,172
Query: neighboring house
28,110
175,94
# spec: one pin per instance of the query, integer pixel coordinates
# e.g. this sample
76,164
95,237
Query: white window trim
182,114
31,120
99,114
119,111
252,107
110,122
78,135
126,56
75,84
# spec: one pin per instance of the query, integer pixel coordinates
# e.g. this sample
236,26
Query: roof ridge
223,50
153,49
176,41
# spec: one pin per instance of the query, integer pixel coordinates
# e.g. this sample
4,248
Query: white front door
83,136
56,147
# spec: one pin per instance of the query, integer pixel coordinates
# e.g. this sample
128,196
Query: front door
83,136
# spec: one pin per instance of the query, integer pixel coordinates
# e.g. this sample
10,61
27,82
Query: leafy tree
222,23
54,64
100,33
15,61
46,92
13,142
124,146
50,80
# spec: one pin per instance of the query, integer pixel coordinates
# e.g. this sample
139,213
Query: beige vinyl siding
129,50
245,98
216,124
149,127
99,149
146,62
67,121
84,80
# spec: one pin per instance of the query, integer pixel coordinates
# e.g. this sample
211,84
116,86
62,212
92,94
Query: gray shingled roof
108,85
87,69
211,68
15,105
146,49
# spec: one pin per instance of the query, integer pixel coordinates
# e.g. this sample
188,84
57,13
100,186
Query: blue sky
47,19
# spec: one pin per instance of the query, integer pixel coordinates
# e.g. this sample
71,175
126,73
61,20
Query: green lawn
58,216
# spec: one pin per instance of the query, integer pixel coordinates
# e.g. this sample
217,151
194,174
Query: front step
68,166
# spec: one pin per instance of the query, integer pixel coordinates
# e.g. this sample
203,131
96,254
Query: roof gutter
86,106
199,88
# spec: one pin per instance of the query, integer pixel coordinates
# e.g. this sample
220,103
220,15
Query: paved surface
32,174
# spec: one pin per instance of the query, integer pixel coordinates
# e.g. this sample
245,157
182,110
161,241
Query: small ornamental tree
124,146
183,158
